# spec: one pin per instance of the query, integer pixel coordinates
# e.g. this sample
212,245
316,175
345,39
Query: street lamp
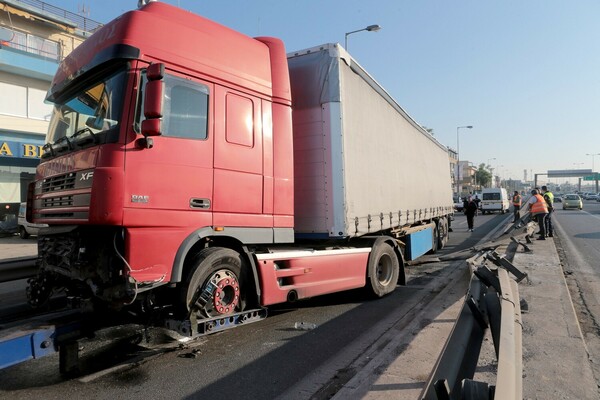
370,28
458,187
491,169
593,154
499,179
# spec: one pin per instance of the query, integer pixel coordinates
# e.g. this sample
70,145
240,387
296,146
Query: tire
435,240
382,270
442,233
223,269
22,232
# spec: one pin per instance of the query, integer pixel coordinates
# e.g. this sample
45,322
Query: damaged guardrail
17,268
492,302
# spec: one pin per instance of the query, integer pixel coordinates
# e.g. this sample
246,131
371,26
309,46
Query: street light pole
592,154
499,179
458,186
370,28
491,169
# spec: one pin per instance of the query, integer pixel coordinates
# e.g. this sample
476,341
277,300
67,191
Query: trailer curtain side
362,164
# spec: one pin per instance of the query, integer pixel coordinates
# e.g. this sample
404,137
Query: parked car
593,196
572,201
8,224
25,227
458,204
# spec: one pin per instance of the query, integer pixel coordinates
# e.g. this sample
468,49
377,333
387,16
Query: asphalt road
578,242
261,360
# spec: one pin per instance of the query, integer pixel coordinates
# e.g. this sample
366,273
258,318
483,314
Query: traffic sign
594,177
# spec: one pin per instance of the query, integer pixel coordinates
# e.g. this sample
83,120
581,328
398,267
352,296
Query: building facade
34,37
453,157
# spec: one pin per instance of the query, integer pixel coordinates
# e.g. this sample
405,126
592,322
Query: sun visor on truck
314,76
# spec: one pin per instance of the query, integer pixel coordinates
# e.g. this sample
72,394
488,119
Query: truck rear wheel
382,269
213,287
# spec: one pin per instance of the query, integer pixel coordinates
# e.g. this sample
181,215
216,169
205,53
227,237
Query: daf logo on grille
138,198
86,175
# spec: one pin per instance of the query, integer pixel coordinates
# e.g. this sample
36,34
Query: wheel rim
385,270
226,295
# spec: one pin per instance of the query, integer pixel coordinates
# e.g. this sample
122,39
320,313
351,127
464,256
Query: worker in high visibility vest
538,210
549,197
516,201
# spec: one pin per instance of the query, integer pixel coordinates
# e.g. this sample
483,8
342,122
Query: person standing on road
516,200
549,197
538,210
470,211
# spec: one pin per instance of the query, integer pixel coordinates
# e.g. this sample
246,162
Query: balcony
33,62
56,14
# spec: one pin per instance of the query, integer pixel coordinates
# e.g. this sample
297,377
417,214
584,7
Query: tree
483,175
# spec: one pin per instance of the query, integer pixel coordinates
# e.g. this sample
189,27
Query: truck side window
185,113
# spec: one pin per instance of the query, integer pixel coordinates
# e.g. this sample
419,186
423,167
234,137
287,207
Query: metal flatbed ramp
38,337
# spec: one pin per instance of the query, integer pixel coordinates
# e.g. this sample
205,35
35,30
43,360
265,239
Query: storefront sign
14,149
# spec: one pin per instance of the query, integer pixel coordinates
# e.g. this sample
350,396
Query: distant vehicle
592,196
494,199
8,224
558,197
572,201
458,203
25,227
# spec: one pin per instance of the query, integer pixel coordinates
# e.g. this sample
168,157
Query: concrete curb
555,357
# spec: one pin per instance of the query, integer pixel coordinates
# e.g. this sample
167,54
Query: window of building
26,102
30,43
13,100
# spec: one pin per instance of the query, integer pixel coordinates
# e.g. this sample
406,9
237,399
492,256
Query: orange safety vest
539,206
517,200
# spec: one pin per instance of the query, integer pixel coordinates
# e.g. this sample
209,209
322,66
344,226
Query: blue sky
525,74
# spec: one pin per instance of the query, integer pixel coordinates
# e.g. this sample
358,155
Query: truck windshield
86,115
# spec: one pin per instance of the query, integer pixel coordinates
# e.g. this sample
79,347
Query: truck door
171,183
238,173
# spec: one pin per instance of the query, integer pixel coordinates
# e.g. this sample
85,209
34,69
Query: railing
491,303
82,23
33,44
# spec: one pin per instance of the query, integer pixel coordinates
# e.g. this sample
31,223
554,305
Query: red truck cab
158,144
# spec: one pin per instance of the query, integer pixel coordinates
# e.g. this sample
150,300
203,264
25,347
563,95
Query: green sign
594,177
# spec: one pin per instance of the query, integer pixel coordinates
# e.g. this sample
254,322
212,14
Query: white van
25,227
494,199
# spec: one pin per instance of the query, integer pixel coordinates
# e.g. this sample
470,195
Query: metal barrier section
492,302
17,268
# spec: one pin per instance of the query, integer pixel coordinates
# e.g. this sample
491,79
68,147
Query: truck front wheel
383,269
213,286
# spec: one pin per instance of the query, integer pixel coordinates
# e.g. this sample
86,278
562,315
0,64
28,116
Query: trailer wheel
442,229
383,269
213,287
435,239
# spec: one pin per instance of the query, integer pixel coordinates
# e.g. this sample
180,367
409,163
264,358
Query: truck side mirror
153,100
